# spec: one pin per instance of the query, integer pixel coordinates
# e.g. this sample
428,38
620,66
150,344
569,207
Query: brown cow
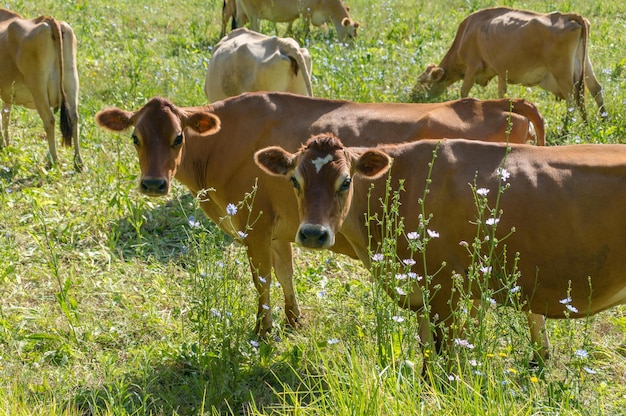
519,47
559,206
222,164
317,12
38,71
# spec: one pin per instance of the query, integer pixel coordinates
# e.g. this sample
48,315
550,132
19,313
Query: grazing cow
317,12
169,144
560,208
519,47
38,71
250,61
229,12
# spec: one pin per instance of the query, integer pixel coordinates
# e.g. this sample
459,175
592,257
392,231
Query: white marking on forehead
320,162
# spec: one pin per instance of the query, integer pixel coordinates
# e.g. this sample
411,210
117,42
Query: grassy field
116,304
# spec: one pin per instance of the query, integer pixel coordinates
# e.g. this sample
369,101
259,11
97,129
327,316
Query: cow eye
178,140
295,183
345,185
135,140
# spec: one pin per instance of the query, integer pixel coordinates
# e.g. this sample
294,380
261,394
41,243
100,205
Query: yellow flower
534,379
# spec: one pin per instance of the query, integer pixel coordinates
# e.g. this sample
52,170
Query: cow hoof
79,165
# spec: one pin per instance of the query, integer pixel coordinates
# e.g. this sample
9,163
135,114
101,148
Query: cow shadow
190,383
161,233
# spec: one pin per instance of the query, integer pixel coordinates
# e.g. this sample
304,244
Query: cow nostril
313,236
152,186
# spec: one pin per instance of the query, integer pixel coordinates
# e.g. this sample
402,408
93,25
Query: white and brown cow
560,208
519,47
248,61
317,12
38,71
170,144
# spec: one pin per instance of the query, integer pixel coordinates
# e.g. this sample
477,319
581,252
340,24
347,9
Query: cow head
431,81
321,173
346,31
160,130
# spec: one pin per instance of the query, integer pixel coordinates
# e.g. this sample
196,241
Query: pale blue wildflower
581,354
231,209
377,257
192,222
504,174
463,343
409,262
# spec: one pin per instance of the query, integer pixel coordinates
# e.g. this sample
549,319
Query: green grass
114,304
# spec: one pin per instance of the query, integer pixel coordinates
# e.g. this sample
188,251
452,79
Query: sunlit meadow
116,304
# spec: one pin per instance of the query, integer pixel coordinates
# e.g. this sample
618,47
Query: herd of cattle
571,262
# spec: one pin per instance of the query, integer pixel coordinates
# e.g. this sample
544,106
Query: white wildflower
413,235
492,221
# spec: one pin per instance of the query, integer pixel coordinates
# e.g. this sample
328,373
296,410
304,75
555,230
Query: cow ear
114,119
345,22
275,161
372,163
203,123
437,73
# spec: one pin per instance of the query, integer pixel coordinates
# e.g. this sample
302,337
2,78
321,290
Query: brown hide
317,12
223,163
519,47
568,221
38,71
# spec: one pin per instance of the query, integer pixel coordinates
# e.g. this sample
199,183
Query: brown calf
561,202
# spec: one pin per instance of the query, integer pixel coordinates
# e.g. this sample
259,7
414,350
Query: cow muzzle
315,236
153,186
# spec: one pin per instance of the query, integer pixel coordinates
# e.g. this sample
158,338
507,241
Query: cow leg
427,340
595,88
6,118
45,113
260,266
255,23
78,160
539,337
283,269
502,86
468,83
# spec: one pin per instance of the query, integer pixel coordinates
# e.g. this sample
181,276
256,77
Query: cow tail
65,119
579,84
296,54
530,111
